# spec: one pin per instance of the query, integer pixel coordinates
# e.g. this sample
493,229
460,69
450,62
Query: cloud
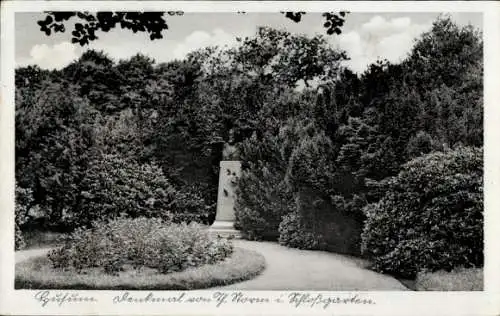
54,56
118,52
352,43
200,39
379,26
380,38
60,55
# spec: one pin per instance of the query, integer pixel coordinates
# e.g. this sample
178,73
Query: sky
365,37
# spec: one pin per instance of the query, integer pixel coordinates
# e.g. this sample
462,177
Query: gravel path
294,269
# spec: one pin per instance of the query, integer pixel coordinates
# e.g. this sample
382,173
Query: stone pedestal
224,219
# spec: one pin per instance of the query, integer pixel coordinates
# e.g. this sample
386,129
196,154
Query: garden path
295,269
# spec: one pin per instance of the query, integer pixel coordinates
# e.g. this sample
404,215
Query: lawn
37,273
457,280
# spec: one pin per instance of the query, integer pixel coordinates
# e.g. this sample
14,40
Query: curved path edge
295,269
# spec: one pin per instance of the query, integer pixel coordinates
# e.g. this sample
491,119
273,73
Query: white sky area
366,37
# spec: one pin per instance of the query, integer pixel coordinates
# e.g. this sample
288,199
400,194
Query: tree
30,78
85,32
445,67
283,58
98,79
444,55
333,21
153,23
54,142
244,83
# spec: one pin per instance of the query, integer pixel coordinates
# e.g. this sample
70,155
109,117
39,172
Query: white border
388,303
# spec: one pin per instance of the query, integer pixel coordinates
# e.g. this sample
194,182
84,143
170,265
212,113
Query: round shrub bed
125,244
38,273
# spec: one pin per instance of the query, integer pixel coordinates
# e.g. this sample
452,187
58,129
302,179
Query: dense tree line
315,160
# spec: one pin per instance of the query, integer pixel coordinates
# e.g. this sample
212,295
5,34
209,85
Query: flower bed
38,273
138,243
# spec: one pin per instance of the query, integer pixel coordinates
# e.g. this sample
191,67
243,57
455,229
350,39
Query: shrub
321,218
113,186
24,203
311,164
262,196
19,242
431,216
420,144
188,206
38,273
262,200
294,234
322,224
140,242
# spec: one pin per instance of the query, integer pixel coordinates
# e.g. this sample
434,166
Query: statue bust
230,152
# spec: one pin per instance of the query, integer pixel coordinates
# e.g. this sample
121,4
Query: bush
262,200
420,144
187,205
321,224
431,216
140,242
19,242
24,203
38,273
262,196
113,186
311,164
294,234
321,218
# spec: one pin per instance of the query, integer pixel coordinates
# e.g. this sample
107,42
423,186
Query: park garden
120,161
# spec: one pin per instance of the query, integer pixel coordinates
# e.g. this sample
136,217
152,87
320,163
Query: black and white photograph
283,150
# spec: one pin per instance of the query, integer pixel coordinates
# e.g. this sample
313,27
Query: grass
457,280
37,273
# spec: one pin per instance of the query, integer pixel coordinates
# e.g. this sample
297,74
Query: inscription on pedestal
229,172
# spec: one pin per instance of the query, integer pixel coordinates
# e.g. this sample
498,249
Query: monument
230,170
